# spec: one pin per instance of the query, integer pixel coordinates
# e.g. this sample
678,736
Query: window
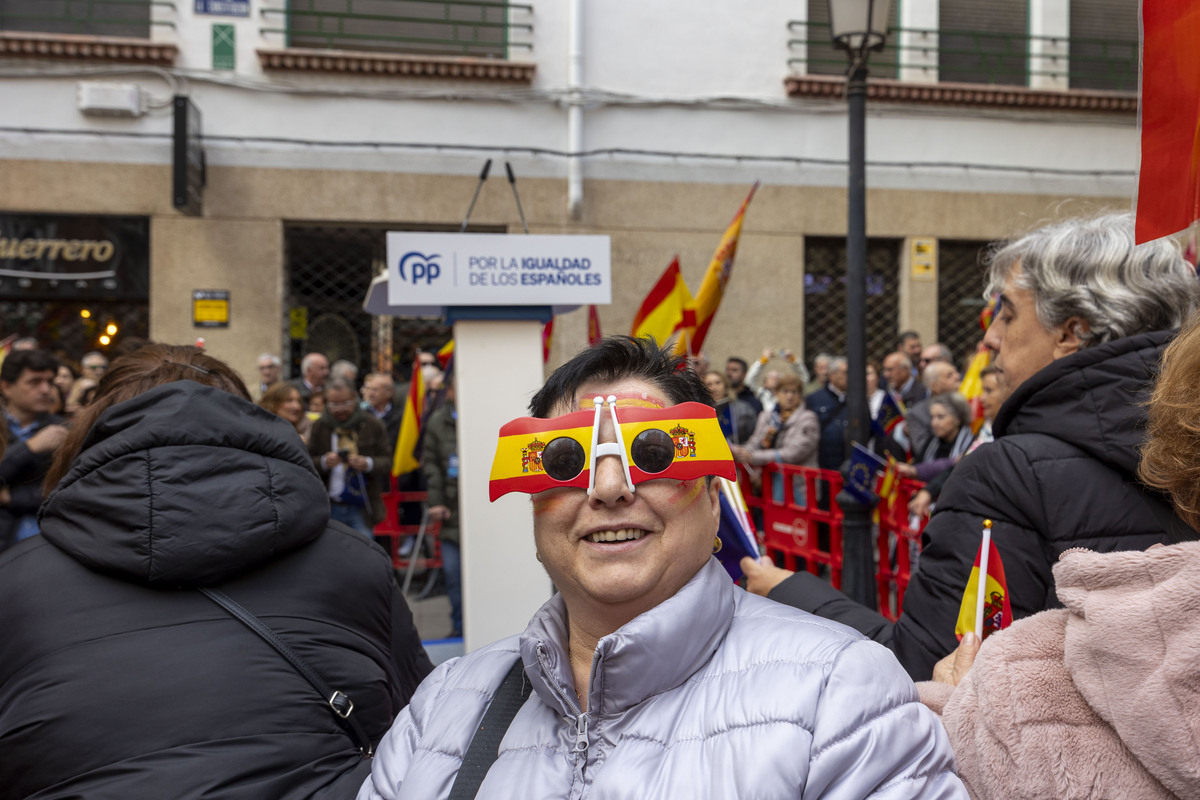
825,296
983,42
960,296
127,18
420,27
1104,44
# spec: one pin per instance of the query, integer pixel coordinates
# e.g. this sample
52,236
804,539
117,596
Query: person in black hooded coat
118,679
1062,471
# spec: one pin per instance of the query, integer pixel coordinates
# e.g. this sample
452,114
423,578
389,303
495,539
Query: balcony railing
476,28
985,57
124,18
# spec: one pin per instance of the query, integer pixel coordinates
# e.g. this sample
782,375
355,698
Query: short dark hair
18,361
904,337
615,358
736,360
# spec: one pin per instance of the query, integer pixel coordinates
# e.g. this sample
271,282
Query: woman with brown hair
123,672
284,400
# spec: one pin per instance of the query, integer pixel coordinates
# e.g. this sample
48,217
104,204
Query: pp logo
422,267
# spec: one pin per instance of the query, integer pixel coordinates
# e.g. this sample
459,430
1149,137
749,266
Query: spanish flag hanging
988,610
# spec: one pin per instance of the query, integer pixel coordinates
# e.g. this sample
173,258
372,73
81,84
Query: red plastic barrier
799,534
391,529
795,529
893,545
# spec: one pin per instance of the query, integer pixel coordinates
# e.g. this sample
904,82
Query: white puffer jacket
715,693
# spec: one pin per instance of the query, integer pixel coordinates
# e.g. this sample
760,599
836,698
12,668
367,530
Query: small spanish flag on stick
985,606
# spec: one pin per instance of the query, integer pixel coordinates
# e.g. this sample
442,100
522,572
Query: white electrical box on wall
110,99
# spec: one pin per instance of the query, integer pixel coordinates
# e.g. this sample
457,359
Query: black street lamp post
858,27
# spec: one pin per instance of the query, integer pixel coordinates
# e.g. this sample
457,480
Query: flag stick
482,177
983,566
512,181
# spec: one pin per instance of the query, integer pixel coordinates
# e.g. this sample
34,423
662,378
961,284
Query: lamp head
859,26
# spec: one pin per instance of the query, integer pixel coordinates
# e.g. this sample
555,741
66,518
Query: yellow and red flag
700,447
989,312
662,311
445,354
712,288
1168,191
985,605
406,458
547,339
972,385
594,335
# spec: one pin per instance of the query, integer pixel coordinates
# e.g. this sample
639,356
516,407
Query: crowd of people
164,523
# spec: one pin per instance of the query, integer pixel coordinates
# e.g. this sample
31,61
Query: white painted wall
654,71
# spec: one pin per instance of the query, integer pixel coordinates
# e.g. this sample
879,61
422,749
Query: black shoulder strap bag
339,703
485,744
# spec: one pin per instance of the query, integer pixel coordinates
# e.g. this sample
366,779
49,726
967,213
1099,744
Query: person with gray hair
270,369
934,353
314,371
820,374
916,432
1083,318
346,370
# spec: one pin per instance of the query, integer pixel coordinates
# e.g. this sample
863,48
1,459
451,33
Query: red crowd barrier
801,535
391,530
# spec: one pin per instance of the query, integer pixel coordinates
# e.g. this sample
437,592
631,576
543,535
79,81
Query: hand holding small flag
985,606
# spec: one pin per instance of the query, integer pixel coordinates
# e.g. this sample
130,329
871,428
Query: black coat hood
1093,399
185,485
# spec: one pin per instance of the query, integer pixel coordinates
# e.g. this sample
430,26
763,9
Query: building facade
323,124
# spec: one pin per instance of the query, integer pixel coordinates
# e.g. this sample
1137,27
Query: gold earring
716,545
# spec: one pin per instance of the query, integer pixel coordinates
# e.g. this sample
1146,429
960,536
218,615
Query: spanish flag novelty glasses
683,442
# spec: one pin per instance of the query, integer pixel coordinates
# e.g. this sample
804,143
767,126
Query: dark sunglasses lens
563,459
653,450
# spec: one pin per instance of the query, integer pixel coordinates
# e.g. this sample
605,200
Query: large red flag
1168,192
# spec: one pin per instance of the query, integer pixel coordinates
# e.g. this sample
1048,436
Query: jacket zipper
581,745
579,720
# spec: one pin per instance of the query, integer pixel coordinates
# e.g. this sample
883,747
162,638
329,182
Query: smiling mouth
622,535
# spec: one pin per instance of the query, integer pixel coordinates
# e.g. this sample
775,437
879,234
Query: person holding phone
349,448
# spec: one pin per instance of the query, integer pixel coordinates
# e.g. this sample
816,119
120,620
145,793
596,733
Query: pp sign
472,269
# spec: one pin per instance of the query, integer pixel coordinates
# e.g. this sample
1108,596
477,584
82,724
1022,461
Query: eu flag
860,477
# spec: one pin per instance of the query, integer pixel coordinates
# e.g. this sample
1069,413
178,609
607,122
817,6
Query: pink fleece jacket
1097,700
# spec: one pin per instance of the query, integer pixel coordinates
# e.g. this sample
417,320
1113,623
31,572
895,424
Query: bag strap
338,702
485,744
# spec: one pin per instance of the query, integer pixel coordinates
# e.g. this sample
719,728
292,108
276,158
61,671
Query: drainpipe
575,111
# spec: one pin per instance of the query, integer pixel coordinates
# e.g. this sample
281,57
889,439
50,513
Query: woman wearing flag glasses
651,674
